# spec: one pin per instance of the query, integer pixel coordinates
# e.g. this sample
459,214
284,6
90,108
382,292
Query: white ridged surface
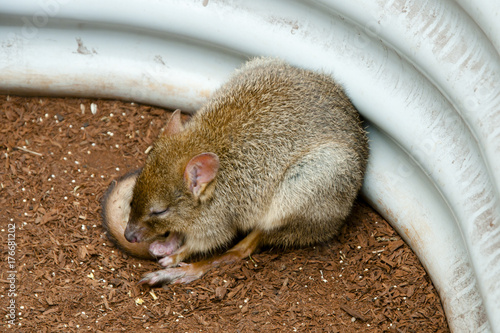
426,75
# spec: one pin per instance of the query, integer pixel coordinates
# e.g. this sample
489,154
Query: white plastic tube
427,224
424,74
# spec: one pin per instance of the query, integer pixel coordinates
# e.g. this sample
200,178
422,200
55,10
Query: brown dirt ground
57,159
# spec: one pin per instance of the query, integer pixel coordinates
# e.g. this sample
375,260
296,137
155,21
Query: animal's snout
132,234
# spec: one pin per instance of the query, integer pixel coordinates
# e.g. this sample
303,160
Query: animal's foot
167,261
184,273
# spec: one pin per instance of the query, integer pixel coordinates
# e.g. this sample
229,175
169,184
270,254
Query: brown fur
291,153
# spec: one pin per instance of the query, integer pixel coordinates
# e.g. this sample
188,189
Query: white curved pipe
485,13
110,63
175,53
398,188
451,50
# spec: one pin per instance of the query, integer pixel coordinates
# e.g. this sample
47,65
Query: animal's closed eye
160,212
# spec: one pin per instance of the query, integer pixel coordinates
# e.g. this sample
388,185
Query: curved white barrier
424,74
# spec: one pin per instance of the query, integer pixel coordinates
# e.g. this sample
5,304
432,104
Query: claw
150,278
142,281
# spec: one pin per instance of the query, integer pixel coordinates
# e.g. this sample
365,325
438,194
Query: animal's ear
199,173
174,124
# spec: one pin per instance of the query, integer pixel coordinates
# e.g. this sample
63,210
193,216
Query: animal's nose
131,234
131,237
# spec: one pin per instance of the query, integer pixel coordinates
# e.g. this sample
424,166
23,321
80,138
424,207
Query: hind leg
186,273
315,196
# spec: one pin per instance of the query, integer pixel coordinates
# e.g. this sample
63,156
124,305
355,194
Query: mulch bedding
58,156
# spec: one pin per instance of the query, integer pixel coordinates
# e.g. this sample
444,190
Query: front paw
158,249
167,261
173,259
167,246
185,273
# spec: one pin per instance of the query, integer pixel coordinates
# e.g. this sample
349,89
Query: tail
115,213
